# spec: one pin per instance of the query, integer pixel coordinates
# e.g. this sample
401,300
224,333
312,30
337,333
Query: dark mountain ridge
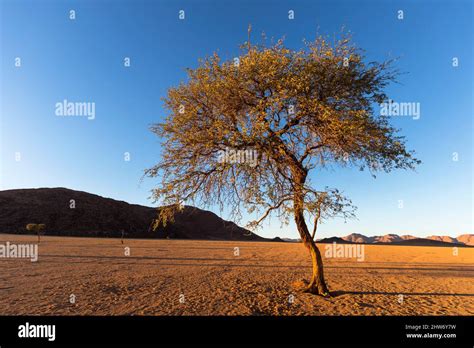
68,212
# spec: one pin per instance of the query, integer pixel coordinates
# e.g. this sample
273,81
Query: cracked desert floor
177,277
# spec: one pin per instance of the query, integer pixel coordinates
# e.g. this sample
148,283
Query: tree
299,110
37,228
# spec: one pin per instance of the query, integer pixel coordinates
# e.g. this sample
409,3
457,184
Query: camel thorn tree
299,110
38,228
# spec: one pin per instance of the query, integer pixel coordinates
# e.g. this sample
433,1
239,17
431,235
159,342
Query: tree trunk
317,284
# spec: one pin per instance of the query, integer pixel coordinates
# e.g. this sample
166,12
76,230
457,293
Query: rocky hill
75,213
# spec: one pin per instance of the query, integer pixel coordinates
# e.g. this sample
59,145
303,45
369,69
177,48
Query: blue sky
82,60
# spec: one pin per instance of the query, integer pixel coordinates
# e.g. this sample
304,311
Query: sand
176,277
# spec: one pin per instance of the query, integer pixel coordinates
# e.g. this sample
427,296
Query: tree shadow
460,268
343,292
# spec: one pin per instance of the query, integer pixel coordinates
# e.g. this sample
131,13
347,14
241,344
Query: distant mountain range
354,238
75,213
464,239
395,239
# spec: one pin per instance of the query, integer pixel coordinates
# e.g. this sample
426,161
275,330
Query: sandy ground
171,277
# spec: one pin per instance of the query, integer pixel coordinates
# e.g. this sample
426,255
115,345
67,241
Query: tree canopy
299,110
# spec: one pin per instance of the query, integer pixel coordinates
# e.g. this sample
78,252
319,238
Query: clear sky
81,60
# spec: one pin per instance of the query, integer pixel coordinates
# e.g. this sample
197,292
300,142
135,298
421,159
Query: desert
190,277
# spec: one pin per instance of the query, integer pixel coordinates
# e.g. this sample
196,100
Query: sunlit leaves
329,88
